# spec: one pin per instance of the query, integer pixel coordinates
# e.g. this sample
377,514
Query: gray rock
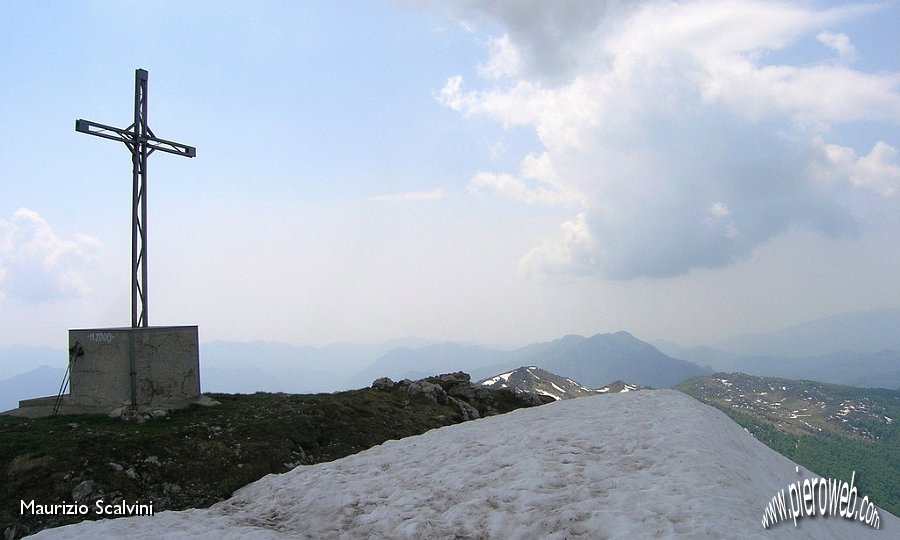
86,492
458,377
467,411
531,399
469,392
383,383
118,412
430,391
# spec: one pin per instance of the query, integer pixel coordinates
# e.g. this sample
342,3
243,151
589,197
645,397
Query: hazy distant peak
859,331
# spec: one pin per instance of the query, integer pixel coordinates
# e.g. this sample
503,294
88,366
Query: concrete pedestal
150,367
138,368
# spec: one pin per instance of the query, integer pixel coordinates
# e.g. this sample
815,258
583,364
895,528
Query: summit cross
142,142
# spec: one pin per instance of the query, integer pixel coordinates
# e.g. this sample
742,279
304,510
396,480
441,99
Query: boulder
430,391
459,377
383,383
466,411
86,492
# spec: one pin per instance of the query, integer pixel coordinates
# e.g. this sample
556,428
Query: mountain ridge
591,361
826,427
534,380
869,370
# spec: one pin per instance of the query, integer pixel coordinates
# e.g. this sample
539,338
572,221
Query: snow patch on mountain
619,386
534,380
494,380
630,465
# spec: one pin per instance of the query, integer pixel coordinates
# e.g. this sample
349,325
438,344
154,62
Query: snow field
648,464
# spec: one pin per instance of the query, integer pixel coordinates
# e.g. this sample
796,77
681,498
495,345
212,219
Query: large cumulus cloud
669,133
37,266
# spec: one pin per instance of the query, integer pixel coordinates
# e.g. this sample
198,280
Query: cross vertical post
140,140
139,202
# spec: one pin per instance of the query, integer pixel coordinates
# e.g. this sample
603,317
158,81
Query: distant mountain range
869,370
17,359
231,367
597,360
592,361
863,331
39,382
860,349
415,363
241,367
857,349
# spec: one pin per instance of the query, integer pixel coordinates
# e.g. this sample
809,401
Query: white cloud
37,266
451,94
878,171
718,210
680,145
539,186
504,59
551,39
814,94
572,254
412,196
840,42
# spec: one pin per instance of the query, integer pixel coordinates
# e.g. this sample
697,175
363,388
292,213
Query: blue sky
497,172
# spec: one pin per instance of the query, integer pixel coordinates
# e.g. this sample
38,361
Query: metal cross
141,141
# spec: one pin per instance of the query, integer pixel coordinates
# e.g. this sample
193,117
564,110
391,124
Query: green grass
200,455
830,453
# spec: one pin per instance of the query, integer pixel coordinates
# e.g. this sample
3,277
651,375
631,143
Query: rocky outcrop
430,391
473,401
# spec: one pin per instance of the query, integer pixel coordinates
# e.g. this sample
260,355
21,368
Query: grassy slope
830,454
198,456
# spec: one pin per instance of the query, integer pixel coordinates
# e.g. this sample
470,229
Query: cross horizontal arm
100,130
163,145
127,136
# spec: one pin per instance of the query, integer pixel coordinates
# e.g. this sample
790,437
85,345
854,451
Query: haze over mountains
862,331
856,349
860,349
591,361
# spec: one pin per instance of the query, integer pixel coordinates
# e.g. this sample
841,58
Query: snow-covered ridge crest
631,465
620,386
